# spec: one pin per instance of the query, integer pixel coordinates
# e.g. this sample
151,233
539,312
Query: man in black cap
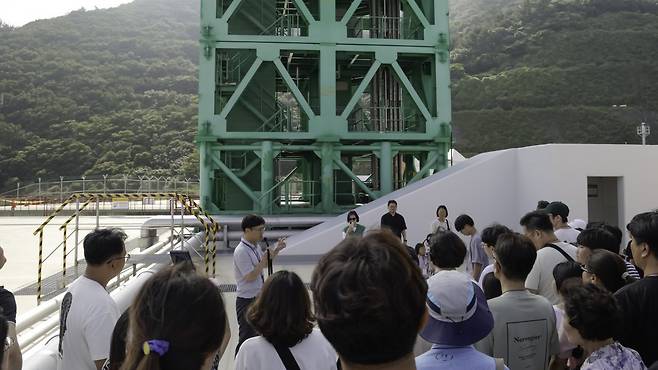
559,213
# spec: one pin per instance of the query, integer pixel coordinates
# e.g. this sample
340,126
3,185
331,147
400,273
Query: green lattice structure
316,106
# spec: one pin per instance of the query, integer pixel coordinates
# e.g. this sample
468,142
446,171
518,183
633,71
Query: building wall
502,186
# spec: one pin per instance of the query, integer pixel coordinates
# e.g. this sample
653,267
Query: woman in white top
282,316
441,223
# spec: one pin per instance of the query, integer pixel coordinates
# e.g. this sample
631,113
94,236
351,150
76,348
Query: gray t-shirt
475,254
245,258
524,332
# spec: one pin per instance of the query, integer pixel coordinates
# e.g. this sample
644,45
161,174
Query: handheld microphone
269,257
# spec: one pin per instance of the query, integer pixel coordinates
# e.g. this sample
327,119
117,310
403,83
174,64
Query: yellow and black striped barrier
39,231
194,209
89,197
214,228
63,227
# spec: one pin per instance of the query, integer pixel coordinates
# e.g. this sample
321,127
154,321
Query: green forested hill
105,91
542,71
114,91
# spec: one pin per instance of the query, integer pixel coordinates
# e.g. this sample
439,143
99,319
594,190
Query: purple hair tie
155,345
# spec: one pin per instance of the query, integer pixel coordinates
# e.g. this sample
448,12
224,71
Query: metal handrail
286,23
283,180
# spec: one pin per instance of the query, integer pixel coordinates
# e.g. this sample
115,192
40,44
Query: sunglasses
586,269
351,219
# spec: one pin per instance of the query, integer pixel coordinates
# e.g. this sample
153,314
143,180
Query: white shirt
486,270
312,353
541,276
567,235
89,315
440,226
245,258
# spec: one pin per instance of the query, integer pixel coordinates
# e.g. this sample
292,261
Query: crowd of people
552,297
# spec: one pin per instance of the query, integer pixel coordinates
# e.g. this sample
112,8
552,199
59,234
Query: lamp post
644,130
83,183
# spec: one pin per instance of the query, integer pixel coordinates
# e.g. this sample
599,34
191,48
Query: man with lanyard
248,265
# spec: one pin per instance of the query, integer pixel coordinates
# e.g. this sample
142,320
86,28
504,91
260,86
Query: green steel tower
316,106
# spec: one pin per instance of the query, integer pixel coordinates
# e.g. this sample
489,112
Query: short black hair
447,250
462,221
251,221
542,204
644,229
598,238
490,234
352,213
619,235
593,311
516,255
391,201
439,207
564,271
118,342
417,248
537,220
609,268
102,244
491,286
369,298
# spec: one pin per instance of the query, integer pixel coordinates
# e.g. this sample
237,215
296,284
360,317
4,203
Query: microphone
269,257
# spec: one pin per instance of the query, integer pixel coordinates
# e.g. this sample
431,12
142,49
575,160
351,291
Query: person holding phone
353,227
249,261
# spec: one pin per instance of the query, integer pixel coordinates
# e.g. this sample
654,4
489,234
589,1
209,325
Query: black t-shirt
8,304
491,286
639,307
395,223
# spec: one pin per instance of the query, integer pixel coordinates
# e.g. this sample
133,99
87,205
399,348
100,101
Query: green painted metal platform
310,106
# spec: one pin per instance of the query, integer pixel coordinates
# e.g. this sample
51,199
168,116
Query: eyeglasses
351,219
126,257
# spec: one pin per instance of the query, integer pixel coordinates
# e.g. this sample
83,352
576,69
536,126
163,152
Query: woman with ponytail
178,321
607,270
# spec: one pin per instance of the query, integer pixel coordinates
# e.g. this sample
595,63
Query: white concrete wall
502,186
559,172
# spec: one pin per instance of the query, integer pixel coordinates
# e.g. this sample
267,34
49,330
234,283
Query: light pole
83,183
105,184
61,189
644,130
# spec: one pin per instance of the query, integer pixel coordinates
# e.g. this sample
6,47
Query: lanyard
253,250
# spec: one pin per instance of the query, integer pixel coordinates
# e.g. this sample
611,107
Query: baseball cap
458,310
557,208
578,224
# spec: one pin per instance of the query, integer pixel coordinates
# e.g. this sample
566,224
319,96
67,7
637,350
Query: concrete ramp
501,187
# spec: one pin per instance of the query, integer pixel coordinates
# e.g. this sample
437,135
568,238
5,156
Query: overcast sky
20,12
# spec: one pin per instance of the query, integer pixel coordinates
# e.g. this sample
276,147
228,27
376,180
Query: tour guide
248,264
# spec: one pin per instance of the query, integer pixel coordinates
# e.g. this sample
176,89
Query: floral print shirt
614,357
